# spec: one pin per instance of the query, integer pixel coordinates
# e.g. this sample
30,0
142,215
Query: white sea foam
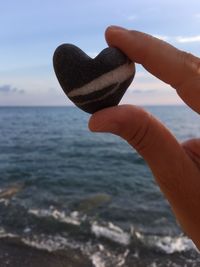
4,201
100,254
109,231
60,216
112,233
97,254
4,234
97,260
107,258
167,244
49,242
174,244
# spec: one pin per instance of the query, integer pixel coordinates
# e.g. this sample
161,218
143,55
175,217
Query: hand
175,166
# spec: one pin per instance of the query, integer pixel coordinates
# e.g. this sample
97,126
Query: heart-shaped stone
93,84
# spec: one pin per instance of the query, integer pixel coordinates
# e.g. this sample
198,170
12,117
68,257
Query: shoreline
14,253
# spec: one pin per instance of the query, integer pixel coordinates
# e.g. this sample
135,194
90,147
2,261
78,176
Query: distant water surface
62,186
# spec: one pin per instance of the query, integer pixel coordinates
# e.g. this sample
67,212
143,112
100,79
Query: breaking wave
110,232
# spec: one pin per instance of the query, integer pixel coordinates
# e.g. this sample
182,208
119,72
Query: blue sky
31,30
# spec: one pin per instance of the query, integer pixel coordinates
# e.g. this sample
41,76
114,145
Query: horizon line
62,106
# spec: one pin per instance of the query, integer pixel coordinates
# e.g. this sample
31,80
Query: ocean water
63,187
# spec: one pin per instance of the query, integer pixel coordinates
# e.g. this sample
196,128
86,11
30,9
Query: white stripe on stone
101,97
118,75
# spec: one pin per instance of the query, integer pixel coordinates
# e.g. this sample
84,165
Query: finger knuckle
140,139
190,63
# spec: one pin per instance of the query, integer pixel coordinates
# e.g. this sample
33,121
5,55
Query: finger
147,135
192,148
179,69
167,159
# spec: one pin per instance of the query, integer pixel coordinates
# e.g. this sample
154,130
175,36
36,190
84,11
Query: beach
14,253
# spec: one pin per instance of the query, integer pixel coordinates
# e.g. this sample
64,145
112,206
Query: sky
31,30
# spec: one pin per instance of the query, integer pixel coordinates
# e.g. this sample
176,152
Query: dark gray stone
111,72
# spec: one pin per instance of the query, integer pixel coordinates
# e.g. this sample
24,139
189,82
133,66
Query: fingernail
116,28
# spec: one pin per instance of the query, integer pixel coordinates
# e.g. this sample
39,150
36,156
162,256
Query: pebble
93,84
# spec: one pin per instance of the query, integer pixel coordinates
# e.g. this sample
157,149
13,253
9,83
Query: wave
103,243
60,216
4,234
171,245
112,233
108,232
102,254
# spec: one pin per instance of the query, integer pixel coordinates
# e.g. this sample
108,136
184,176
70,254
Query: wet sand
15,254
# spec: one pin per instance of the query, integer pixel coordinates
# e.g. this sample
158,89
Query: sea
64,189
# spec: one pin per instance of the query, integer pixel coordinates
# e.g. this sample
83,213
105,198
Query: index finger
177,68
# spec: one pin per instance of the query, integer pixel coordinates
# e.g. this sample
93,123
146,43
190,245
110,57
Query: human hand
175,166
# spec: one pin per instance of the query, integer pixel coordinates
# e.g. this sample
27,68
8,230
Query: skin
175,166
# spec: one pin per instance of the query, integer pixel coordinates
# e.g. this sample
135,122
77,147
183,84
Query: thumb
175,172
152,140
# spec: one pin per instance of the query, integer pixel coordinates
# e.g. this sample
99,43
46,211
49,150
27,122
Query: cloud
8,89
132,17
178,39
150,91
188,39
144,82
